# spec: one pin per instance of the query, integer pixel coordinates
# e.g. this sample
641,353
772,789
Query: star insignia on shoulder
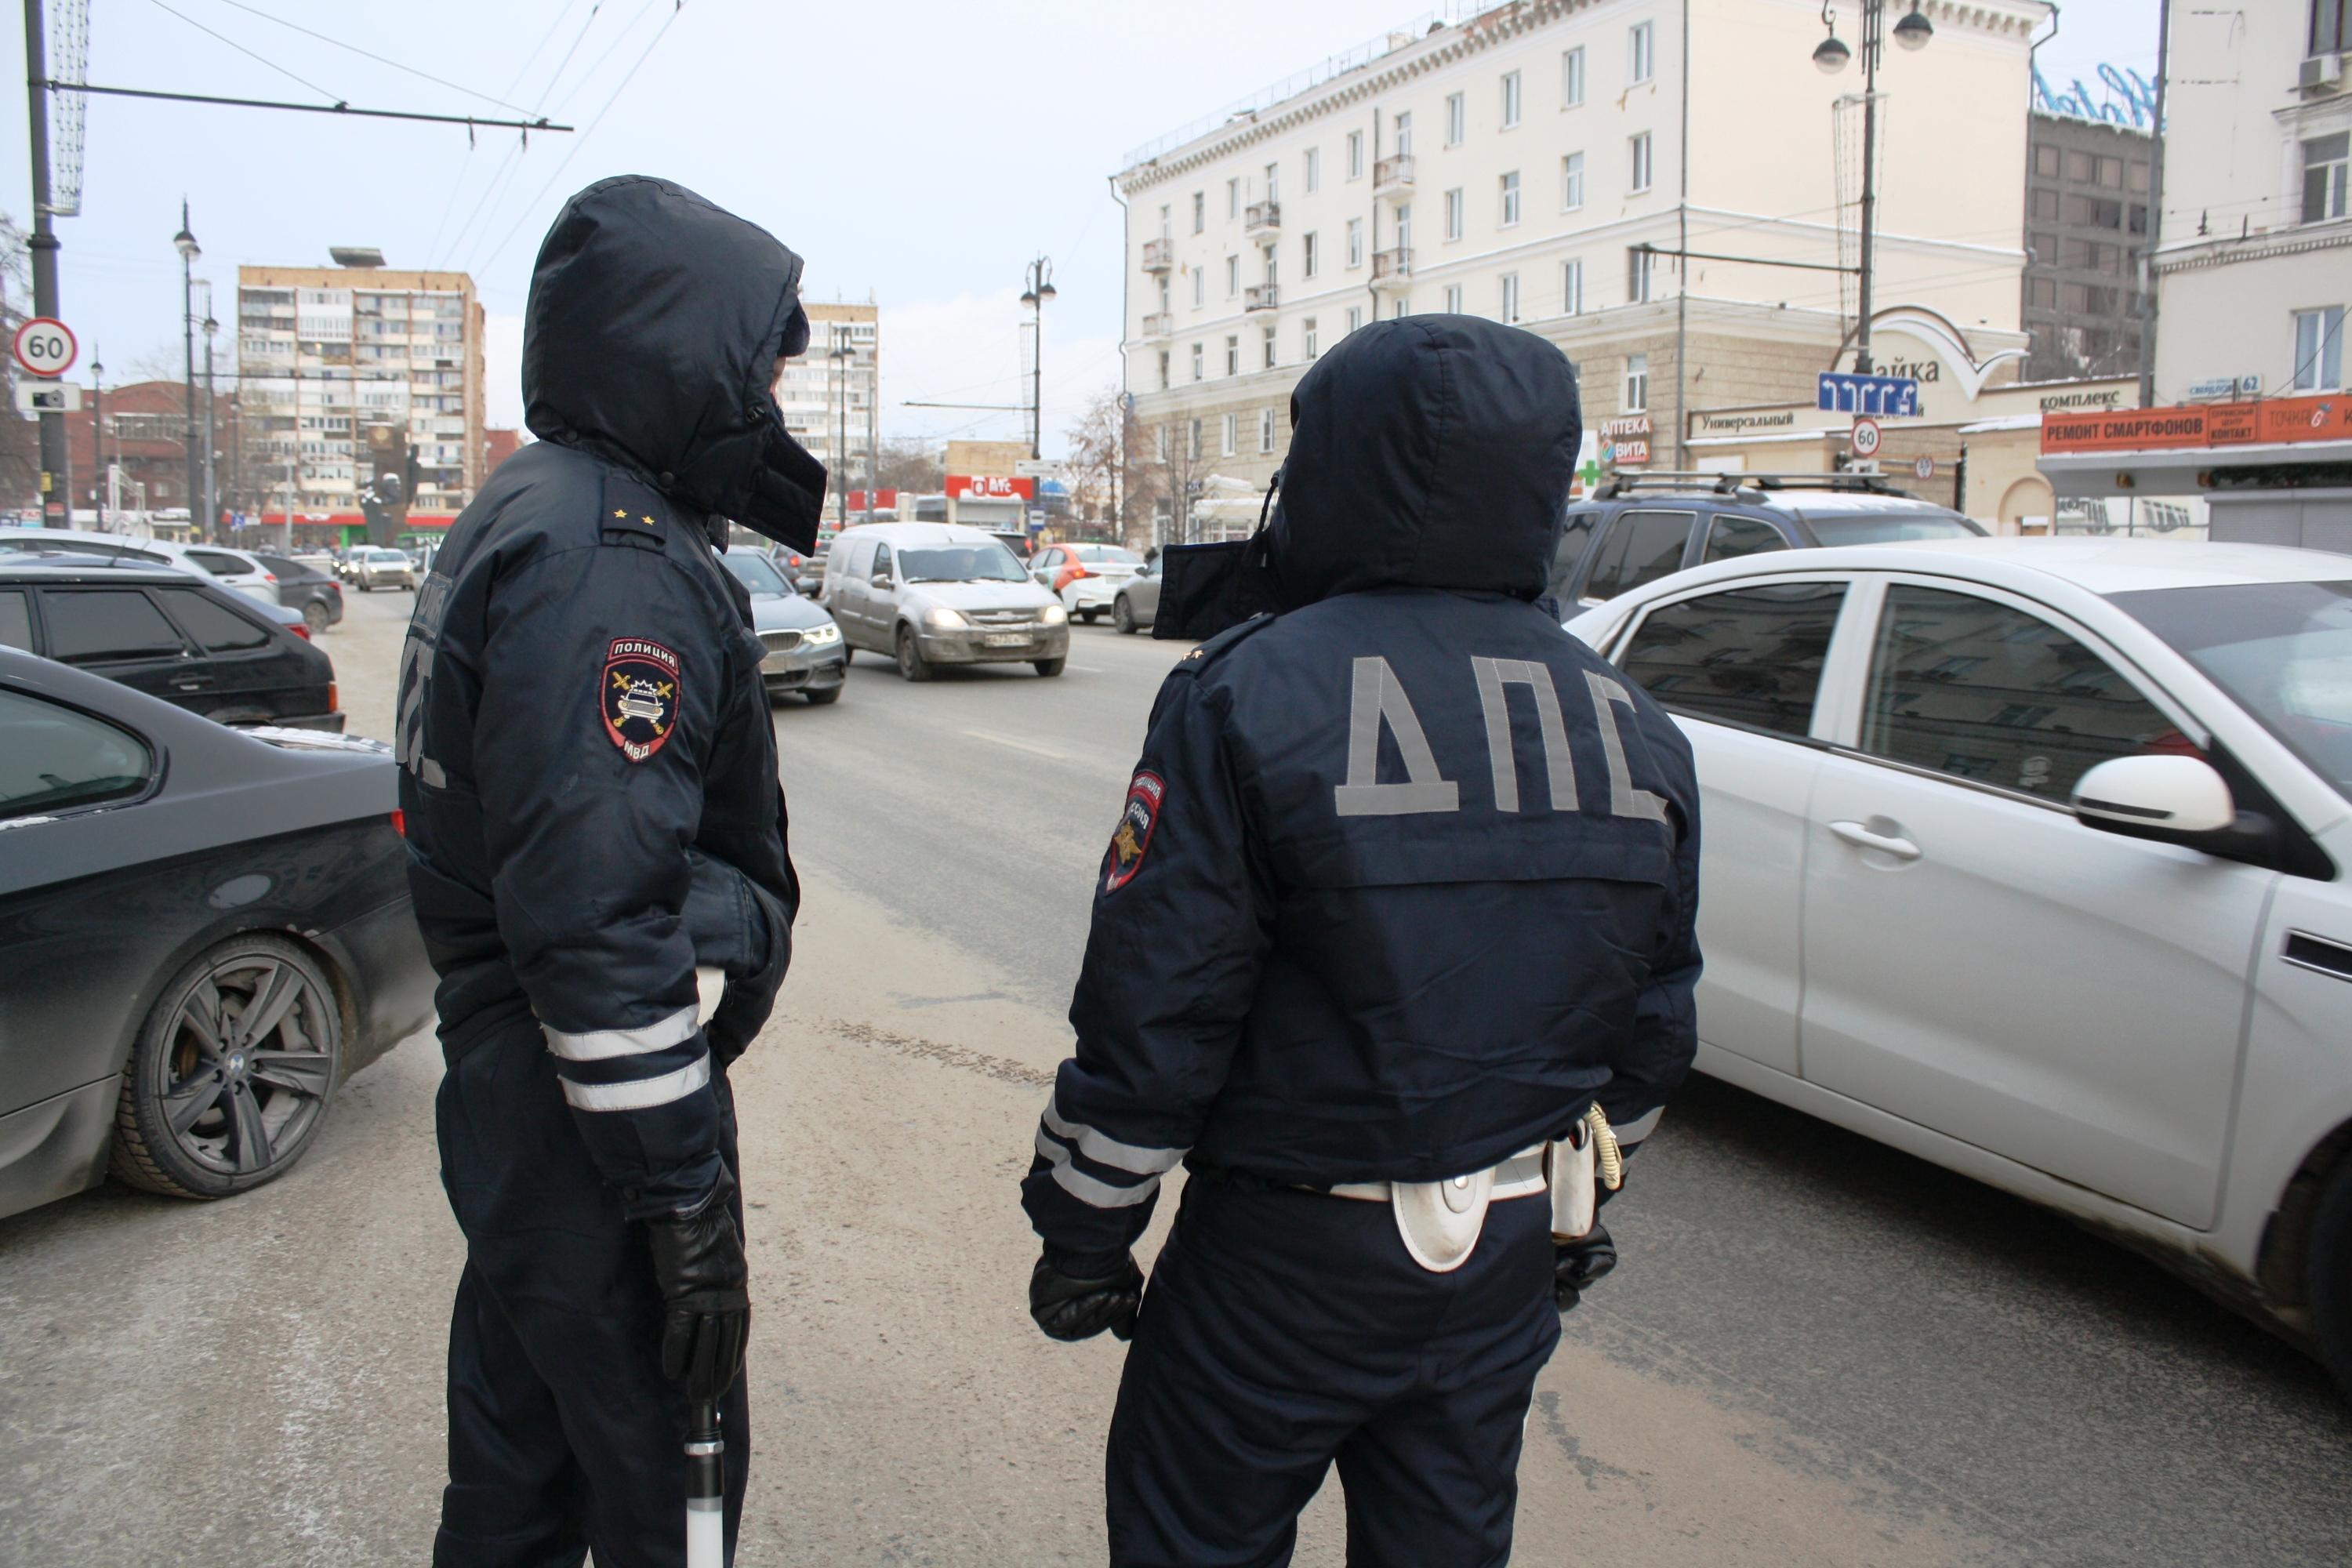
646,521
621,512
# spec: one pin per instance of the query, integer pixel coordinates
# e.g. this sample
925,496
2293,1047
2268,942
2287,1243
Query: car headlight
941,618
1055,615
821,636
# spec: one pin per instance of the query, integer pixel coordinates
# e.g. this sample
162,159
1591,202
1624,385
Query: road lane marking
1046,751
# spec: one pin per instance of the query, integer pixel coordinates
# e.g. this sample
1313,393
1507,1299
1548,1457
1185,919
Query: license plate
1004,639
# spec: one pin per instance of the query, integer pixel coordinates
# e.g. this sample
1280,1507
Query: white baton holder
1439,1221
1575,1190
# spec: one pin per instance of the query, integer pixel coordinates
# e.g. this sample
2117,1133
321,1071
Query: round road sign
1924,468
45,347
1865,437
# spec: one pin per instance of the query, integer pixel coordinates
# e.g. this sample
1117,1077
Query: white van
927,593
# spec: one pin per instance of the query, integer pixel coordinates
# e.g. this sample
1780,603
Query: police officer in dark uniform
1403,888
597,853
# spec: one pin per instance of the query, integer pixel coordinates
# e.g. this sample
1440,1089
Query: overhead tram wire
249,54
434,252
371,55
577,38
610,50
651,44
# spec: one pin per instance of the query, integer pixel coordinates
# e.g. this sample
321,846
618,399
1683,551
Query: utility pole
184,242
1039,288
56,482
840,382
2155,213
212,474
1914,32
873,424
97,478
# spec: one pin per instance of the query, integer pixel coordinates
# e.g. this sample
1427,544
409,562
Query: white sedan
2029,857
1087,578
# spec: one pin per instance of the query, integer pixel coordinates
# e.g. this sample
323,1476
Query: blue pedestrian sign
1895,396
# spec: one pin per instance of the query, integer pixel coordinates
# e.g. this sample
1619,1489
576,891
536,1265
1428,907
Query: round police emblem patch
1136,821
640,696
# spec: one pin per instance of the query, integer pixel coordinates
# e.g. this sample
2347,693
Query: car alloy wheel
232,1073
1122,616
911,662
314,615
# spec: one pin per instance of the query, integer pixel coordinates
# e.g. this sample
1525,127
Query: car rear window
16,620
1891,528
214,624
219,564
106,623
1641,547
52,758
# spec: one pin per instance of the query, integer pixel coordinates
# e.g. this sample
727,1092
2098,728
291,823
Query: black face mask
1205,589
787,497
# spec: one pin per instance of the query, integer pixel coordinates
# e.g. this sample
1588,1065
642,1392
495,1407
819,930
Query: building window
1642,52
1314,180
1354,317
1403,126
1196,361
1637,383
1510,185
1306,338
1234,354
2331,27
2326,160
1457,119
1233,277
1572,79
1404,225
1640,269
1234,197
1510,296
1270,260
1163,370
1571,182
1274,182
2045,205
1510,98
1265,430
1639,146
1396,311
1355,242
1355,154
1572,288
2319,350
1268,335
1453,205
1231,426
1192,441
1310,258
1199,211
2045,161
1200,288
1454,299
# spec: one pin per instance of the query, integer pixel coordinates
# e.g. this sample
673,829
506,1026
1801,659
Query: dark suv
171,635
1639,527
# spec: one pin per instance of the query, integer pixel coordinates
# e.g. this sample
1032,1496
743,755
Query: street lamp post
1039,288
211,470
1831,54
98,496
839,369
184,242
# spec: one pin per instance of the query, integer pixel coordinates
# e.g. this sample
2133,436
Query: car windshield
756,573
1890,527
990,563
2282,649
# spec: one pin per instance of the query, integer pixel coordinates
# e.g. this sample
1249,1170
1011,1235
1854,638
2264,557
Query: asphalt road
1816,1351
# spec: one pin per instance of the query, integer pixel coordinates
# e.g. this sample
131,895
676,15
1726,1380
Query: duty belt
1520,1176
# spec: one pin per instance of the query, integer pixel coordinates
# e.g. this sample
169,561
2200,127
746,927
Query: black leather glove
1079,1305
1577,1266
705,1288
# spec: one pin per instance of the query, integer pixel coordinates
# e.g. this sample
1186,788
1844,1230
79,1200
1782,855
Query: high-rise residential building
357,370
829,402
1517,165
2086,221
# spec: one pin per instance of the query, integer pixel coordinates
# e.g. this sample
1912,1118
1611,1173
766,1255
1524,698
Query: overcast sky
917,154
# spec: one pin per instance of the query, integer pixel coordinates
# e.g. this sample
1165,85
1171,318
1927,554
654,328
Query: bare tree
1174,464
20,437
919,467
1108,448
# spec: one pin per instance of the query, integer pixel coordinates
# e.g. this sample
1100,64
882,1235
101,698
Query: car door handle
191,683
1861,837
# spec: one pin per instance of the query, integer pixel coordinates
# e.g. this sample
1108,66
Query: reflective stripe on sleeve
1107,1150
603,1045
642,1095
1084,1188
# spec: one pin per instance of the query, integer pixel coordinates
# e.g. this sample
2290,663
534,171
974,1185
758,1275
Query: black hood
655,323
1431,452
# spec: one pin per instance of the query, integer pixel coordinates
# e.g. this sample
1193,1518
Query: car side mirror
880,579
2174,797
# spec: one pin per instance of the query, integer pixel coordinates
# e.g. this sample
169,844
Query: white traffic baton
706,1488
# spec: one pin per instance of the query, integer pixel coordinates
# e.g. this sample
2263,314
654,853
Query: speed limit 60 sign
46,347
1865,437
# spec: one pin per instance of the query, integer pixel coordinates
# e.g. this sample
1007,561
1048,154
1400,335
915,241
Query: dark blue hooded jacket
1407,876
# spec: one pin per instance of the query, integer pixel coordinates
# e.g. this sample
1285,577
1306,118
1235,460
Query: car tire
366,586
314,615
1090,617
1122,616
911,662
820,699
2331,1276
209,1108
1050,666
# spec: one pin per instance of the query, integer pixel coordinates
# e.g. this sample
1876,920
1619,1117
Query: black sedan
204,932
318,596
172,635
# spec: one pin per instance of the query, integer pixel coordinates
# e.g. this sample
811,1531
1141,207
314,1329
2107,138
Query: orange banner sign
2275,421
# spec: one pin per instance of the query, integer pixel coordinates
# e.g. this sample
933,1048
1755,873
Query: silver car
804,648
379,566
928,593
1137,603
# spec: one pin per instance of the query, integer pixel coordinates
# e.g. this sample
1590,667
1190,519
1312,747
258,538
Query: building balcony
1392,268
1159,255
1262,217
1260,297
1393,176
1158,324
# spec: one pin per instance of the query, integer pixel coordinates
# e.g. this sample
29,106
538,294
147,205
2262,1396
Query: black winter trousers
1284,1331
563,1435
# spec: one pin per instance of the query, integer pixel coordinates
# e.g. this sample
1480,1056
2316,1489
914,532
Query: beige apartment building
1513,165
830,404
347,369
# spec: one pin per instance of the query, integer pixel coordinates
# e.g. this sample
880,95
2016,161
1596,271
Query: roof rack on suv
1732,484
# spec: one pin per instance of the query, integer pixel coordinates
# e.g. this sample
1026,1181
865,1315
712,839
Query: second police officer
1404,887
